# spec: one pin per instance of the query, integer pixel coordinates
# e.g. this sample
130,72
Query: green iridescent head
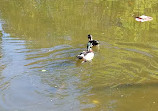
89,46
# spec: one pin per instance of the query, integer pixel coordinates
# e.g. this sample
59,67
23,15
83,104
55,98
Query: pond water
39,41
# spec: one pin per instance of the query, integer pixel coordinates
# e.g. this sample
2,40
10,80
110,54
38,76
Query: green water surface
39,41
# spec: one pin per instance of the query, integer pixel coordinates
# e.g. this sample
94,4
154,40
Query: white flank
89,56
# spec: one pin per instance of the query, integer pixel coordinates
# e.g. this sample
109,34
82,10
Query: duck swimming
87,55
94,42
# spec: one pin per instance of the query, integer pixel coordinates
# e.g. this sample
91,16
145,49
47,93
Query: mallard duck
87,55
94,42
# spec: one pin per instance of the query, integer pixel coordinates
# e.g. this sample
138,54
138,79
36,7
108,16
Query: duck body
94,42
87,55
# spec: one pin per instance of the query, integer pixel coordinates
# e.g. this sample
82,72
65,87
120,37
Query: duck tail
79,57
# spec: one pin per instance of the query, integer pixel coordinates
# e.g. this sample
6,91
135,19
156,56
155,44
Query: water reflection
114,98
39,44
24,79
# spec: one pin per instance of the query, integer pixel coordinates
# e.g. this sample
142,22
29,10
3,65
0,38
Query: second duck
94,42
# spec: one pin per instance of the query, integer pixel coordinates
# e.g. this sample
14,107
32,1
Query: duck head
90,37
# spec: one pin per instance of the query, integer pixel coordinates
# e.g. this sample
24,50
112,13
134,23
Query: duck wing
94,42
81,55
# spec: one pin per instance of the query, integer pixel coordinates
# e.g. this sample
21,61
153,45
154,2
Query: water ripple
62,55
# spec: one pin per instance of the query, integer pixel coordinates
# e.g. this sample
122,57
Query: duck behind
94,42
